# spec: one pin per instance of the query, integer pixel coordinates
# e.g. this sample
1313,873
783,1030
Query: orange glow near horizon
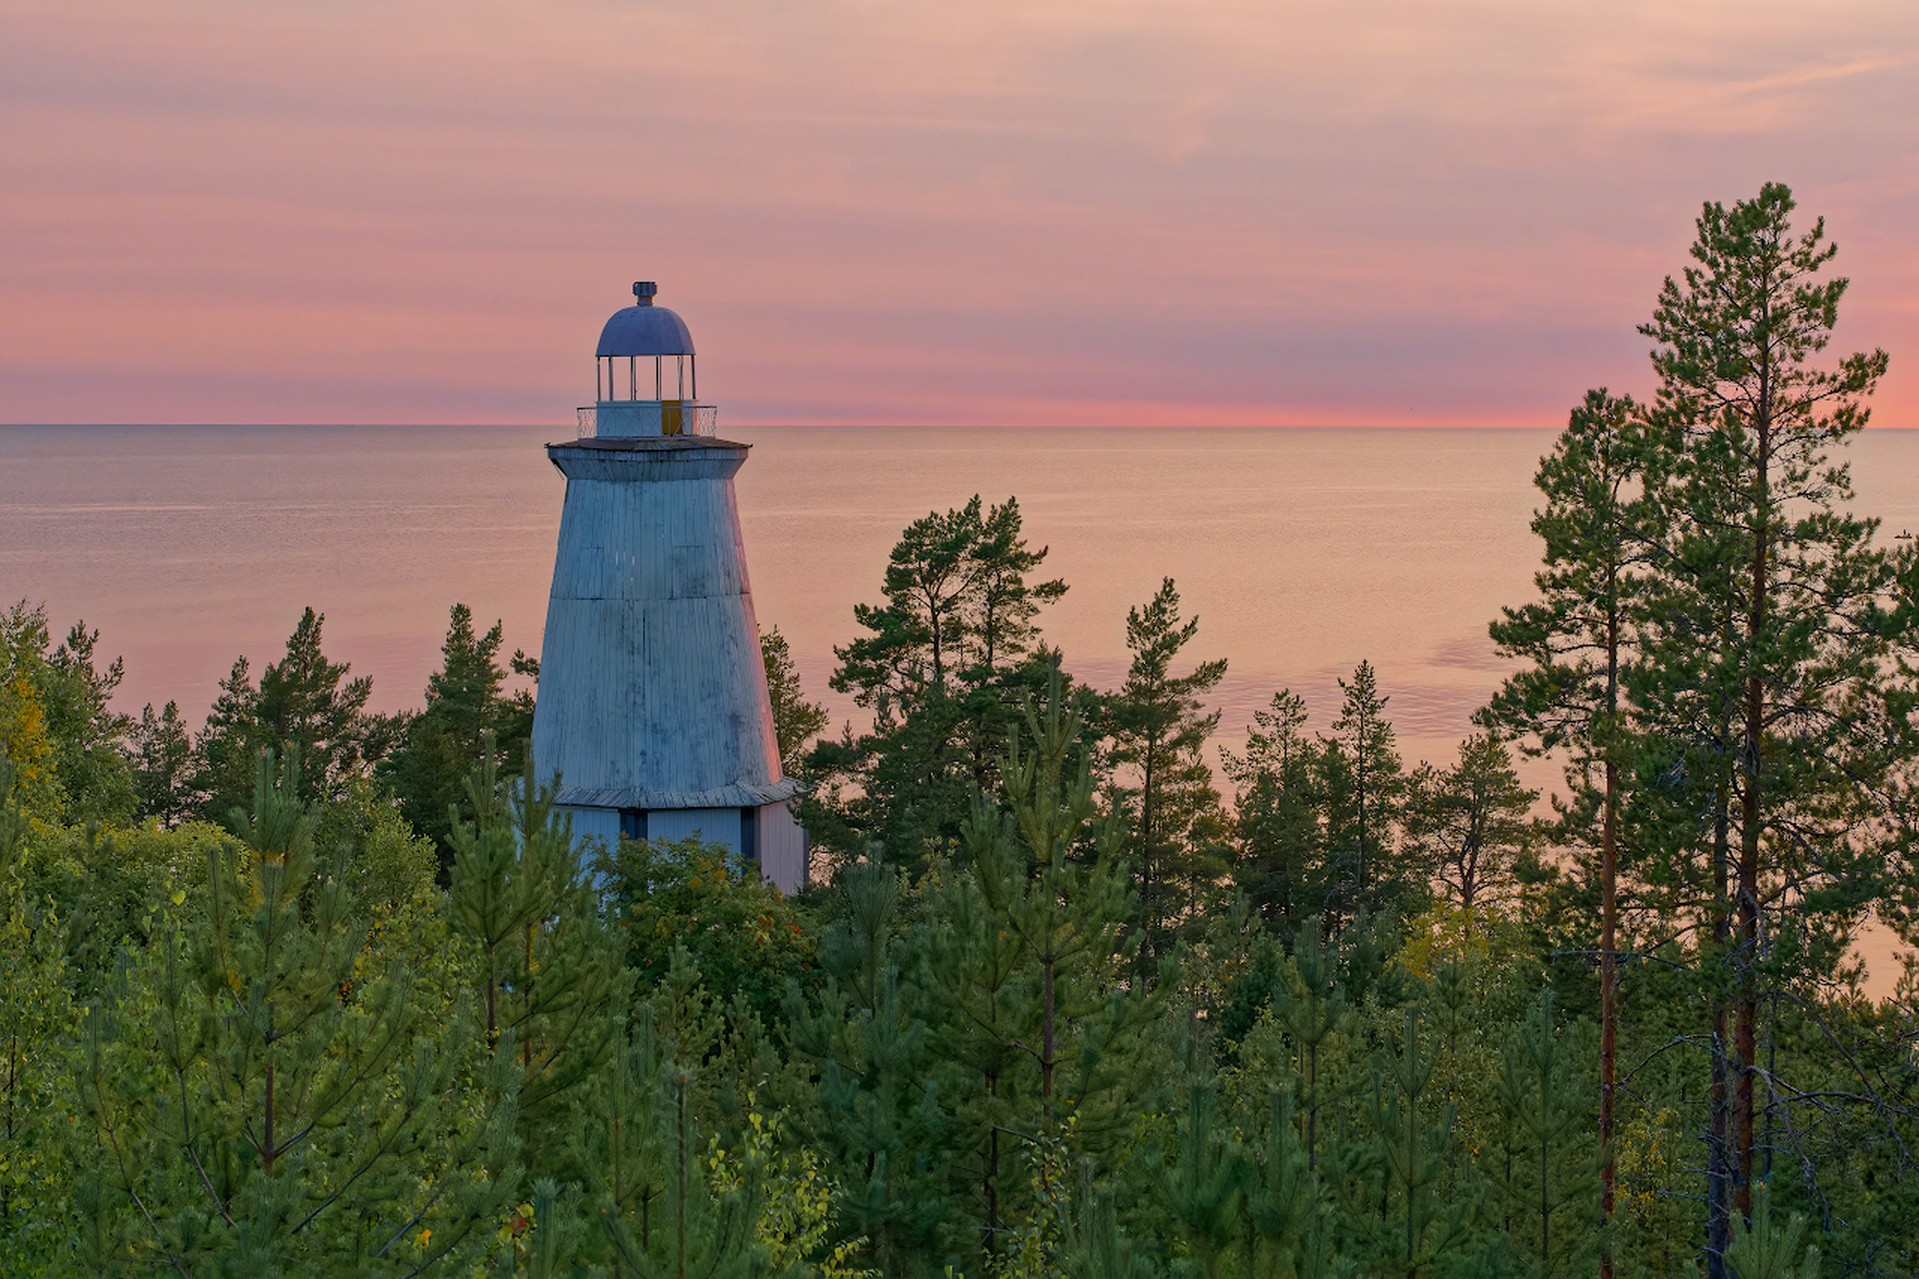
1078,213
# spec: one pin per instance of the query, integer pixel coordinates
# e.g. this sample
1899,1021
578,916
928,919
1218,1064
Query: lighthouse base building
653,717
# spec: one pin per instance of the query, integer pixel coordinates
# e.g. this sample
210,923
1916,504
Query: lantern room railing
645,418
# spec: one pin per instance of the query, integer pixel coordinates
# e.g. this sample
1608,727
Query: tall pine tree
1159,727
1577,639
1771,634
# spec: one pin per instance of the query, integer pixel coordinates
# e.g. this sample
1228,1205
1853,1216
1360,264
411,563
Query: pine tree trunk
1745,1044
1608,1006
1148,887
1047,1033
991,1180
1718,1149
1609,939
1359,780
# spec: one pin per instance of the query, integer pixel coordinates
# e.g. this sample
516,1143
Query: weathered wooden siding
599,824
652,690
782,848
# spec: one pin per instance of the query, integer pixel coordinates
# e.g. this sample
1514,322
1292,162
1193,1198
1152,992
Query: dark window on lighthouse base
632,823
750,835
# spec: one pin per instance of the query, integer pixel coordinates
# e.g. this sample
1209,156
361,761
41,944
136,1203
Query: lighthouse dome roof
645,329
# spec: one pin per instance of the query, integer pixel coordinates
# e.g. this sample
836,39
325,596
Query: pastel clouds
1393,212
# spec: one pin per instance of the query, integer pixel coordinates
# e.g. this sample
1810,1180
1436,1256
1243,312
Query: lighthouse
653,713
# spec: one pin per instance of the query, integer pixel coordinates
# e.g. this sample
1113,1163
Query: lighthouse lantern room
653,716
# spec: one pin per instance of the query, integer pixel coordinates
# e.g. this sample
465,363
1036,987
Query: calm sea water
1301,551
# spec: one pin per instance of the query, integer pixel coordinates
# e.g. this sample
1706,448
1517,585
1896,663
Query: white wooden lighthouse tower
652,709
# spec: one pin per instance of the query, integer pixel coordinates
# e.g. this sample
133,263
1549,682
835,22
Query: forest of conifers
318,991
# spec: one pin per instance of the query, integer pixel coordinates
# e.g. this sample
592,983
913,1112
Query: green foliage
304,706
37,1024
1546,1165
865,1041
1469,823
796,721
386,866
1281,863
942,667
1348,1029
1721,653
66,744
229,742
254,1107
162,750
310,709
742,934
1159,727
109,887
543,961
1771,677
702,1231
467,707
1418,1229
1765,1250
1364,784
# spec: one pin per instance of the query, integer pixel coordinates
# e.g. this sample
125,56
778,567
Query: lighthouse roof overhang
645,330
738,795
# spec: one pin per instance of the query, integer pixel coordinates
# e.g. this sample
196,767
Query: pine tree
1578,639
1469,823
1549,1167
90,736
1289,1219
1094,1247
1763,1250
1771,633
1070,914
1204,1192
1281,855
796,721
162,765
544,962
62,697
1007,662
1029,943
1310,1006
1159,728
618,1143
467,705
943,666
1363,783
229,744
701,1232
865,1039
260,1103
979,1006
309,708
38,1024
647,1170
1418,1230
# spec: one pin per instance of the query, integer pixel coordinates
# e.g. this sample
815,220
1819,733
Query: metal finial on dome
644,329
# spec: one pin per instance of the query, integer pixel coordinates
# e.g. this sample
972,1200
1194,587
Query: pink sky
1394,212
